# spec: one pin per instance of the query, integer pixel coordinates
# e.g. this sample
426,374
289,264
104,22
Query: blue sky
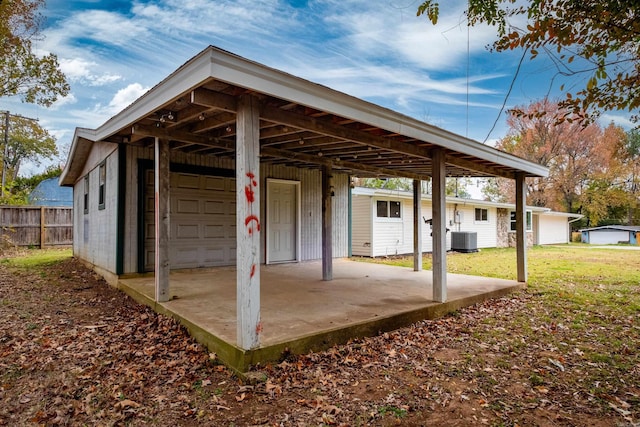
113,51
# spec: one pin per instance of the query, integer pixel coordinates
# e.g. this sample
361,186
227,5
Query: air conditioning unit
464,241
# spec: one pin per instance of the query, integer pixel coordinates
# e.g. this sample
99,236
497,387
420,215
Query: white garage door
604,237
203,221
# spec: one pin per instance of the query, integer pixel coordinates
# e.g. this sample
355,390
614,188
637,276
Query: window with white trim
482,215
388,209
513,221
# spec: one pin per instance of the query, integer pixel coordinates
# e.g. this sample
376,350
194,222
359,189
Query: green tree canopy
604,34
37,79
27,141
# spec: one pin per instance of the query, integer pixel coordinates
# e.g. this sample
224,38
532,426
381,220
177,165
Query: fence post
42,229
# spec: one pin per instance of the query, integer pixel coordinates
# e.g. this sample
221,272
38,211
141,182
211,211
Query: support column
327,237
417,225
162,220
521,226
439,230
249,325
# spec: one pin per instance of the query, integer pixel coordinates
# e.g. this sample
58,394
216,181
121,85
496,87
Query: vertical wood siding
94,237
310,203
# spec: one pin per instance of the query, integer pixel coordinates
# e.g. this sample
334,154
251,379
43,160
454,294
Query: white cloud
125,96
78,69
70,99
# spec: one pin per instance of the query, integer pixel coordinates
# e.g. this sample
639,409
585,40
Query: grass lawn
563,352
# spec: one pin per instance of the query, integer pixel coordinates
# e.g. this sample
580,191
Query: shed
611,234
382,222
227,162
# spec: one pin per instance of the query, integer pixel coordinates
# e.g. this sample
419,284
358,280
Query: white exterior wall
551,229
361,225
486,230
608,236
392,236
94,232
310,203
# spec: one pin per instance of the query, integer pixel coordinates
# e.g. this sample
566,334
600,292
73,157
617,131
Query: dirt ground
74,351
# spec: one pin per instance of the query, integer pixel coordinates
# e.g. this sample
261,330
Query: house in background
611,235
229,163
49,193
382,223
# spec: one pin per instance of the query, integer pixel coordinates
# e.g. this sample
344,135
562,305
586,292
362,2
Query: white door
282,221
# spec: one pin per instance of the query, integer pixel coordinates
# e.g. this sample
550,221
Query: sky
114,51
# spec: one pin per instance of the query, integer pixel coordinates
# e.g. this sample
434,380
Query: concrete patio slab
302,313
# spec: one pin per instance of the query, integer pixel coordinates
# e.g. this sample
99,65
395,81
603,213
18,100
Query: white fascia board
241,72
80,147
187,77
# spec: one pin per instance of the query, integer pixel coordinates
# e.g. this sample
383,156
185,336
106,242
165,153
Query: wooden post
521,226
439,231
327,238
42,228
162,208
417,225
248,223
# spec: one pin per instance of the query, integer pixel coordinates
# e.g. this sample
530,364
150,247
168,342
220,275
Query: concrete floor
300,312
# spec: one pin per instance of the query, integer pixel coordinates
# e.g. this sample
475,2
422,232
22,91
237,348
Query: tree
592,170
595,40
27,140
36,79
21,188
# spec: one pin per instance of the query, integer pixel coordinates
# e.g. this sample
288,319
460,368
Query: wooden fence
37,226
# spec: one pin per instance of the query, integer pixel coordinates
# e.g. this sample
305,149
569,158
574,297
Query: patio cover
220,104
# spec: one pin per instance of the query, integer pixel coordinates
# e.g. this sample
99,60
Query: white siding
486,230
361,226
552,229
390,236
94,233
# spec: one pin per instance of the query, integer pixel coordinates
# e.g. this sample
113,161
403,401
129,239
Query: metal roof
302,124
614,227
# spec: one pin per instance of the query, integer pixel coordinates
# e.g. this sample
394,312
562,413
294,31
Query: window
513,221
482,215
388,209
85,200
102,173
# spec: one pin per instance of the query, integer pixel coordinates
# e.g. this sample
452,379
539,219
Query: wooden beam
309,158
212,99
521,226
248,223
162,224
439,227
182,136
327,223
417,225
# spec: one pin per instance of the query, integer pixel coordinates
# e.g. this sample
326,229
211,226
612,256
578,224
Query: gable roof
302,124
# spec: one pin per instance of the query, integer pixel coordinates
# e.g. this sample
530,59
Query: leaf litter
74,351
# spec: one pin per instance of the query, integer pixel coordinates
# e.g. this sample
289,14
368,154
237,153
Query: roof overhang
302,124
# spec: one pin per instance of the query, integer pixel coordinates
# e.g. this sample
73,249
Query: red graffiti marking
259,328
248,189
249,219
253,270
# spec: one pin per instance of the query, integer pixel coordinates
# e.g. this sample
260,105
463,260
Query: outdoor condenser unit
464,241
